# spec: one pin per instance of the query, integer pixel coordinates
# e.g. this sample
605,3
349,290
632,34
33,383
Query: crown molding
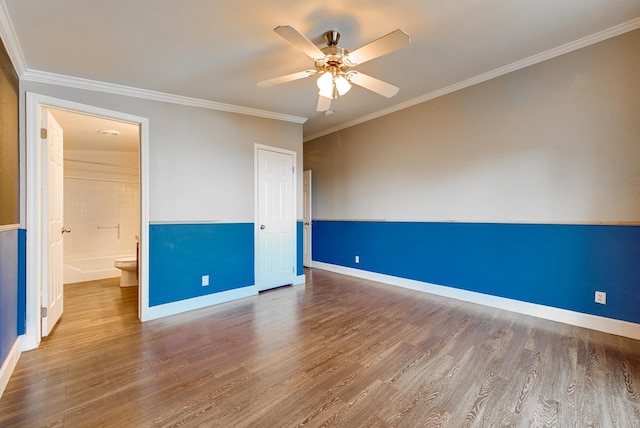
10,40
600,36
112,88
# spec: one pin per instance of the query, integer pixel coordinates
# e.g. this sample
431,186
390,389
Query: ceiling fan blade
294,37
371,83
393,41
286,78
324,103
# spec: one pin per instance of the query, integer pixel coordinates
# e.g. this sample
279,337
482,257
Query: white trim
104,180
600,36
33,150
490,221
593,322
34,154
173,308
8,365
300,280
10,40
8,227
196,222
256,230
143,242
128,91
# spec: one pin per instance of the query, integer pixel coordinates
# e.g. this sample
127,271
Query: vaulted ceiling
217,50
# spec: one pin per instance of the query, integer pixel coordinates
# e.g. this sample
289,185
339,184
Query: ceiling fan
335,64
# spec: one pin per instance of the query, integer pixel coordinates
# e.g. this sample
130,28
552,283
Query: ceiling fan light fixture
342,85
333,64
325,84
326,92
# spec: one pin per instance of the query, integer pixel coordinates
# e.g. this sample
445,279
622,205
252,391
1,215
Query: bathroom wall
101,203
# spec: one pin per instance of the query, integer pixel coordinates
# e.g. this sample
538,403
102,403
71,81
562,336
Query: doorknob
306,223
66,230
262,227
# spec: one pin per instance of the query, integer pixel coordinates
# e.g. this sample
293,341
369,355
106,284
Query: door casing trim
257,147
34,209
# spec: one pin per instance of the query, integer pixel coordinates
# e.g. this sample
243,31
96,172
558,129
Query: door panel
276,221
53,288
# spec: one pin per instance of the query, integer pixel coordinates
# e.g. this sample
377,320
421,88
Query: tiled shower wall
102,214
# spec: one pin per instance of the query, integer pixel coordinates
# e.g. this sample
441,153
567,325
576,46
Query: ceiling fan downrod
332,37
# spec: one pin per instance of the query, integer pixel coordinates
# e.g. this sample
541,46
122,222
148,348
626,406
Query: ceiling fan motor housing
335,59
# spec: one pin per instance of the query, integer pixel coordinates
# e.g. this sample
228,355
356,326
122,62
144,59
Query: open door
306,219
53,227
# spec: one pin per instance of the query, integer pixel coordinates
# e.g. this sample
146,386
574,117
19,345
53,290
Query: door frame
35,209
294,204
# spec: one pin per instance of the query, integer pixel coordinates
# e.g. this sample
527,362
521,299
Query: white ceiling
84,132
217,50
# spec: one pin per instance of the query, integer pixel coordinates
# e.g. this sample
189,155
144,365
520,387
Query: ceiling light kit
111,132
334,64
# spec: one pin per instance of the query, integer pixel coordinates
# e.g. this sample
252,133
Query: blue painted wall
554,265
22,281
179,254
8,291
299,248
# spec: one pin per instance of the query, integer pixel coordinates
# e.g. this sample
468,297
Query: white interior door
53,287
276,220
306,219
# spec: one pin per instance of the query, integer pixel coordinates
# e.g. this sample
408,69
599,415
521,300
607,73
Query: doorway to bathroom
100,196
84,166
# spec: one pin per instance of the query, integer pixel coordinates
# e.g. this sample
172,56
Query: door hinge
293,169
43,133
43,312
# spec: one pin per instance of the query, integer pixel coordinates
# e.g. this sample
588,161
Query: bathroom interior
101,198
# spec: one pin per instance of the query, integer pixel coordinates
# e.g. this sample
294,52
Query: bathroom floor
94,305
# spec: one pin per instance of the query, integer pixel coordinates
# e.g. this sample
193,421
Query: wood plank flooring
339,351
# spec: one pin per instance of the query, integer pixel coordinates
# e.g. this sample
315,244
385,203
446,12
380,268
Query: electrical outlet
205,280
601,297
357,259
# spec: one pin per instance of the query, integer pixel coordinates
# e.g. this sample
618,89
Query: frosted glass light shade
325,84
342,85
326,93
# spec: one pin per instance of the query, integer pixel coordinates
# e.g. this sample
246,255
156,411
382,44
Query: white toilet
128,266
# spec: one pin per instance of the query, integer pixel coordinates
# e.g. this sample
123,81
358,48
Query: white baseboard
593,322
28,342
9,365
174,308
300,280
155,312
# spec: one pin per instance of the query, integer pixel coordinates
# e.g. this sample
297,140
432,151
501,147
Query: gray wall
558,142
201,160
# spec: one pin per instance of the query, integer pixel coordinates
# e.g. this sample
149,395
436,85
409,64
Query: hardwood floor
340,351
